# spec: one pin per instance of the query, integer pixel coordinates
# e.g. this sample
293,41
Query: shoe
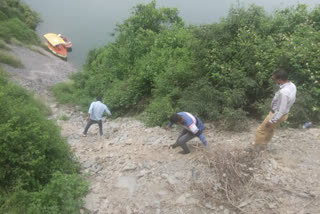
84,135
183,152
173,146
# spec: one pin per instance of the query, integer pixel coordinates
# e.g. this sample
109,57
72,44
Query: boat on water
68,43
56,45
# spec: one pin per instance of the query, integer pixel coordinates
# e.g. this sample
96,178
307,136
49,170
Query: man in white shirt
280,107
95,114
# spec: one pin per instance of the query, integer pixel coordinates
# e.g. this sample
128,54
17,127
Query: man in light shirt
192,127
280,107
95,114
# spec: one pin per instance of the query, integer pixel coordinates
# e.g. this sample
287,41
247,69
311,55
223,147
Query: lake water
88,24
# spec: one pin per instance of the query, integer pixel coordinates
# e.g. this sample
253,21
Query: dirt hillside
132,170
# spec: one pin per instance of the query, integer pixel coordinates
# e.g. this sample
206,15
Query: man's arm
107,111
202,138
91,108
168,126
90,111
283,99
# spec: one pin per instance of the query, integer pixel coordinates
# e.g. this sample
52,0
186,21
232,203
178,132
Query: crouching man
192,127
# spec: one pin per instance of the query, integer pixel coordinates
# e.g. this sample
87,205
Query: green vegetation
220,72
38,173
17,26
18,21
64,117
3,46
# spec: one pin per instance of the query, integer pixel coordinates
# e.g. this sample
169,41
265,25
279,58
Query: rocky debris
132,170
40,70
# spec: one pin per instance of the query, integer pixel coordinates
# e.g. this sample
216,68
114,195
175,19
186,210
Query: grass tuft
8,59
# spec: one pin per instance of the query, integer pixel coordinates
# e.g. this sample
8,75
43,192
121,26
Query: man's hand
167,128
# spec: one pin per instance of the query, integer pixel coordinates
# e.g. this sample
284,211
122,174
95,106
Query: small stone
209,206
226,211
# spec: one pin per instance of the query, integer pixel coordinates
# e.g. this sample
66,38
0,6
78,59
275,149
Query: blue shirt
192,124
97,109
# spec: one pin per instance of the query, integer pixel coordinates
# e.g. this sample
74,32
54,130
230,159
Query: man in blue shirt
192,126
95,114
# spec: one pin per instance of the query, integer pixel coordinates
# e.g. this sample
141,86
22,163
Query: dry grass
3,45
7,58
232,172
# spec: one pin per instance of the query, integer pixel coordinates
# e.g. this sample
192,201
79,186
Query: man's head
177,119
99,98
280,76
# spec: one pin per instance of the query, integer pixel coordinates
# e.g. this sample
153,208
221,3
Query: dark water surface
89,23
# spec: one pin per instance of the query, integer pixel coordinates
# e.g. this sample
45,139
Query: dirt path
132,170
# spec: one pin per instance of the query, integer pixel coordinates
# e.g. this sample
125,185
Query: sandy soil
132,170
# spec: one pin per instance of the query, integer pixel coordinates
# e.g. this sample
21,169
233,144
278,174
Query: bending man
192,126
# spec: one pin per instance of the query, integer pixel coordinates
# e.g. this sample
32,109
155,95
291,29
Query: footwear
184,152
173,146
84,135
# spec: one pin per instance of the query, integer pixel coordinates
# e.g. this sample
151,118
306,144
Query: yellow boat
56,44
54,39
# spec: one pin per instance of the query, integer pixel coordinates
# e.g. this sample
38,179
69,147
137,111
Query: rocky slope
132,170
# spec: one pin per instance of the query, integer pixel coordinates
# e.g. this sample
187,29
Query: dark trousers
182,140
90,122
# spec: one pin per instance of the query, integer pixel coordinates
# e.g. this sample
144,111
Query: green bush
60,195
64,117
36,162
159,112
302,111
217,71
233,120
203,100
3,16
16,28
63,92
17,9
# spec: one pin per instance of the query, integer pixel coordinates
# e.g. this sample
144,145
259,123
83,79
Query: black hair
281,74
99,98
175,118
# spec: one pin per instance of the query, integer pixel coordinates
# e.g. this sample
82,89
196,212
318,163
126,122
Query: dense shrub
18,21
17,9
16,28
3,16
220,72
34,158
158,111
